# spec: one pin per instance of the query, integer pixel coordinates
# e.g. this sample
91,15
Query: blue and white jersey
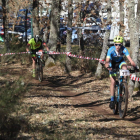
117,56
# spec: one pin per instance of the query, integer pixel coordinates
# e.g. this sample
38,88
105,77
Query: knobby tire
39,71
123,103
115,111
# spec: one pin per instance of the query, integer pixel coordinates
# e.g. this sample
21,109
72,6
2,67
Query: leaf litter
74,107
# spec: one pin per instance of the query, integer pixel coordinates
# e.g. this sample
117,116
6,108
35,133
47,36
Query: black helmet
36,38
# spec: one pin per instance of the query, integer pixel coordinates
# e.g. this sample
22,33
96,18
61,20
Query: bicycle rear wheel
39,70
115,111
123,102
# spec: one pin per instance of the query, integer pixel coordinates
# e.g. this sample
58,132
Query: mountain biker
35,45
114,60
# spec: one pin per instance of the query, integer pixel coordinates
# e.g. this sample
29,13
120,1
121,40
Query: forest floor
69,107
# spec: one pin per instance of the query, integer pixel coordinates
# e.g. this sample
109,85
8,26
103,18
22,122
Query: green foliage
82,64
136,89
16,45
9,128
88,65
51,64
10,95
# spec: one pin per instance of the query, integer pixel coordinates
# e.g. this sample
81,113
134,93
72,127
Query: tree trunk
137,85
80,30
55,17
121,18
35,16
134,40
105,42
69,33
26,26
45,34
5,25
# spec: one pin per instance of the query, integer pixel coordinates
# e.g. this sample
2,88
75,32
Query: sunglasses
118,44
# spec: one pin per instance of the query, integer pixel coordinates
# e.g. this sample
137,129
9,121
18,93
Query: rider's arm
128,57
46,46
27,47
131,61
107,62
108,58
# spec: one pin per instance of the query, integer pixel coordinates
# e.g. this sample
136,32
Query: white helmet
36,38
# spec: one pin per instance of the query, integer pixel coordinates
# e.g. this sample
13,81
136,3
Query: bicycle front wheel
39,71
115,110
123,102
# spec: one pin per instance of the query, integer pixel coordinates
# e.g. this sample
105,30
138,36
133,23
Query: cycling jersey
117,56
34,45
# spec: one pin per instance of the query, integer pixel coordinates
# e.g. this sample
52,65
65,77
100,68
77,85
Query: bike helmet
118,39
36,38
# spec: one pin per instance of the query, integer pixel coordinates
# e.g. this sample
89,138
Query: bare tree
46,25
134,38
69,33
105,42
137,85
5,23
14,7
53,38
35,16
122,27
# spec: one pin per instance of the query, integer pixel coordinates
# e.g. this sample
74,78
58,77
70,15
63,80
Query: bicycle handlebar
44,52
113,69
132,69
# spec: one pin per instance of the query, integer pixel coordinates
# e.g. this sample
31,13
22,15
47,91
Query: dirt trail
99,104
77,103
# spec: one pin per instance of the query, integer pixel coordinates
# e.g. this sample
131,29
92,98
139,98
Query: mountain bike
121,92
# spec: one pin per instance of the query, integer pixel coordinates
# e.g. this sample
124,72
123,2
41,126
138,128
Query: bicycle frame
38,64
118,84
121,98
37,58
39,68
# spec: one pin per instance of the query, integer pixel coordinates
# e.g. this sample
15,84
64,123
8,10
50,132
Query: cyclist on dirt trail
35,45
115,59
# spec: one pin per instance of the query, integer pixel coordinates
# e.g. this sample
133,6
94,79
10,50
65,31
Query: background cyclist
115,59
35,45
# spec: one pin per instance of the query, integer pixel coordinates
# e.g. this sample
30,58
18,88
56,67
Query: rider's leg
112,86
112,89
42,57
33,66
123,66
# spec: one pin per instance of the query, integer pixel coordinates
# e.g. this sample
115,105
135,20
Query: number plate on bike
124,72
39,53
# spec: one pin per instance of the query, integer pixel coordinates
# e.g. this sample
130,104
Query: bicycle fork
119,88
